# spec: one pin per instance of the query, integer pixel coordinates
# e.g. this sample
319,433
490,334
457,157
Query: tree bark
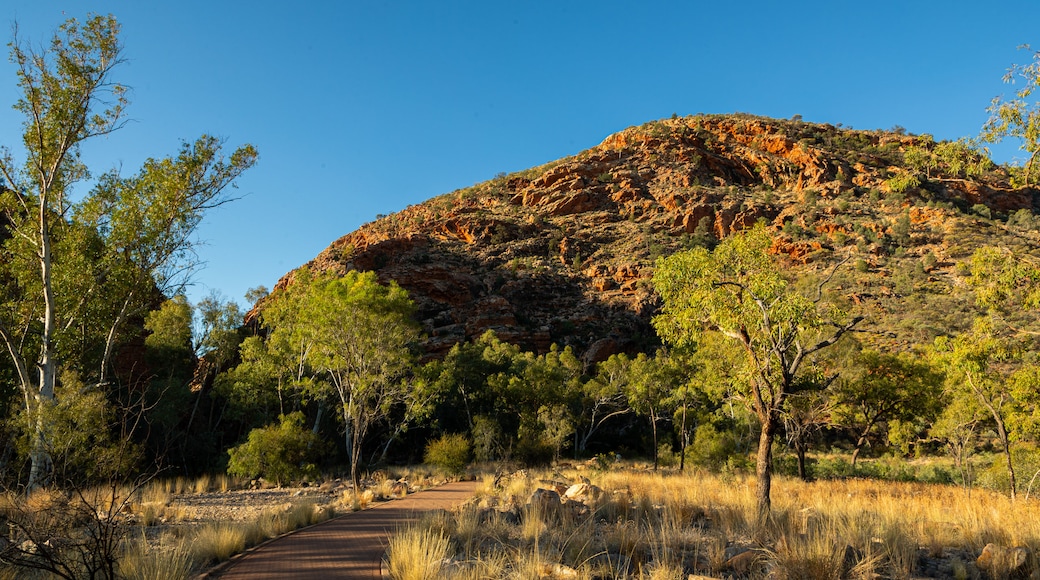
653,425
40,458
764,465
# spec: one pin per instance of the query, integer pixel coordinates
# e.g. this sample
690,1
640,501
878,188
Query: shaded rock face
564,253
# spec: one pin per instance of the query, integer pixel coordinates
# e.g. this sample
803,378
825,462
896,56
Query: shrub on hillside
281,453
450,453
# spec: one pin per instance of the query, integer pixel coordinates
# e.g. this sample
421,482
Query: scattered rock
399,489
1000,562
583,492
556,571
546,500
744,562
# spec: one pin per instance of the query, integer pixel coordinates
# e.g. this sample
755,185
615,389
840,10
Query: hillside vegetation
563,253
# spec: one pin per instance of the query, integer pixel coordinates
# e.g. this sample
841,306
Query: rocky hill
563,253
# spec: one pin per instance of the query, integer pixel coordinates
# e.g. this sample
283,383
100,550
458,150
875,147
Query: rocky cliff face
563,253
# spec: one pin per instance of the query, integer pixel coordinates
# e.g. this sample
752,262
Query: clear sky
363,108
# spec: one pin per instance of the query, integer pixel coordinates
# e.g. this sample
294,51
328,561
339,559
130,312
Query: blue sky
364,108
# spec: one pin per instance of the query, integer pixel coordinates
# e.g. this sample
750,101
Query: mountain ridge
562,253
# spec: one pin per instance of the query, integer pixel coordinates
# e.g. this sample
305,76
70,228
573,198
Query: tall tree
739,290
885,387
73,274
982,365
603,397
650,388
357,334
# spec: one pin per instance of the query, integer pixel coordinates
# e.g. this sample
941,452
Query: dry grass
169,559
218,542
417,554
669,525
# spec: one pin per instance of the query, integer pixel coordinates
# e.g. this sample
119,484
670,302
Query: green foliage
739,291
77,277
1017,117
452,452
487,439
353,332
513,401
1003,280
903,182
947,159
885,468
282,453
557,427
981,367
994,474
901,229
982,210
880,388
170,327
714,449
80,434
1023,219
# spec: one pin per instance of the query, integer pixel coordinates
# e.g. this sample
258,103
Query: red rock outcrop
564,253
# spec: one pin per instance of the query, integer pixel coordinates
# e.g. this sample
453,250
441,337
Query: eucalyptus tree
1018,117
356,336
651,386
74,272
881,388
739,290
983,365
602,398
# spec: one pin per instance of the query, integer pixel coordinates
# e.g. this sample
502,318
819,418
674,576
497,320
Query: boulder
998,561
399,489
583,492
545,500
744,562
556,571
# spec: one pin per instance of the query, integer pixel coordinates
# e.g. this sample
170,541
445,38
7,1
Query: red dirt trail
347,547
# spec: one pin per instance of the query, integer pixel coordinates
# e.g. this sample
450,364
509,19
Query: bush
281,453
711,448
903,182
1026,460
450,453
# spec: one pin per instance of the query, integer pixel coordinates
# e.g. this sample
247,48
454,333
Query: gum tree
982,366
1017,117
882,387
739,290
355,335
72,274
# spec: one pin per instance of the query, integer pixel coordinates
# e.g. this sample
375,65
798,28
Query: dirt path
347,547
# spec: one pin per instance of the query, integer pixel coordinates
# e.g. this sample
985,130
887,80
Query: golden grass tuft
417,554
218,542
170,560
202,484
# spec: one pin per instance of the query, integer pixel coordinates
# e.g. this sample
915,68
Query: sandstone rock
556,571
545,500
744,562
998,561
601,350
583,492
623,203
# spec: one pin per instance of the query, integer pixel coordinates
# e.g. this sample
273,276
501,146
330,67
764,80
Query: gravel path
347,547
